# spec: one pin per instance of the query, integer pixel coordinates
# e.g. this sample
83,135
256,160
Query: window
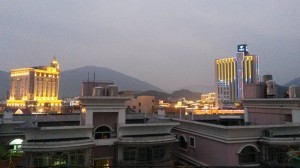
158,152
288,118
15,145
102,163
142,154
102,132
248,155
58,159
192,142
77,158
129,154
182,142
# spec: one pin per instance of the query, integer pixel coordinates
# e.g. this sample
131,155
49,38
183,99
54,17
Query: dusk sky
168,43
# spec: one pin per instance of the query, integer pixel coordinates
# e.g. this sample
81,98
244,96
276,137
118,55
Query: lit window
15,145
102,132
102,163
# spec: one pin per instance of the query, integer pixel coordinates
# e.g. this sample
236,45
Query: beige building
35,88
142,104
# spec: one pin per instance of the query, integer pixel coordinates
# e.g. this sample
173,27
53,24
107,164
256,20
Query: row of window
150,153
74,158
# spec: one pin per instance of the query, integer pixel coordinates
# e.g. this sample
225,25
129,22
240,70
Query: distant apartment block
35,88
231,74
142,104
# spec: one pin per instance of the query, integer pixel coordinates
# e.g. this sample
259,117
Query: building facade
102,135
142,104
232,73
35,88
204,144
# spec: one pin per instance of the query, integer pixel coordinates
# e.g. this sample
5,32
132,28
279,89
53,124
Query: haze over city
170,44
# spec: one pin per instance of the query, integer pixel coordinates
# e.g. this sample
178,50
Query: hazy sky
168,43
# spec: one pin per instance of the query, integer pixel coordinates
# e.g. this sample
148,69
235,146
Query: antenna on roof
88,76
94,77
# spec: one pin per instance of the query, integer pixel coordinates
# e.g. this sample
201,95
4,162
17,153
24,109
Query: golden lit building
35,88
232,73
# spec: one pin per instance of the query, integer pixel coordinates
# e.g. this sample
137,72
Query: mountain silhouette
295,81
71,80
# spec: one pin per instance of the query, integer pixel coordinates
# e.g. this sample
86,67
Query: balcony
57,144
167,162
148,139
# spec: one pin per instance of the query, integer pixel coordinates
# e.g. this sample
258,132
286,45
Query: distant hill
156,94
189,95
295,81
71,80
4,84
200,88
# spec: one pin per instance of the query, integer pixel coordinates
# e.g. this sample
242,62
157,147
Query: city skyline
170,44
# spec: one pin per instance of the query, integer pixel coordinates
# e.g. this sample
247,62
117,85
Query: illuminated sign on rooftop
242,48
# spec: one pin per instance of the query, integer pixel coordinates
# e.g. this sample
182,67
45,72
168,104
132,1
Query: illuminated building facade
232,73
35,88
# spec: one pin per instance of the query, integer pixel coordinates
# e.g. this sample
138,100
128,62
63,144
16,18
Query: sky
168,43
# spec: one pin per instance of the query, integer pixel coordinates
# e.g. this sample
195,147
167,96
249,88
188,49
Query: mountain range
71,80
189,95
295,81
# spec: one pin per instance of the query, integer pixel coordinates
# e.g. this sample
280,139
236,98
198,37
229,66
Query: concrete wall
211,152
109,119
260,116
254,91
104,152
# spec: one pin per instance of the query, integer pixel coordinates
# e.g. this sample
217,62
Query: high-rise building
35,88
232,73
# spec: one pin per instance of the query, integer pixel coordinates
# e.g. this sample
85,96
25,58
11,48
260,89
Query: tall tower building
35,88
232,73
